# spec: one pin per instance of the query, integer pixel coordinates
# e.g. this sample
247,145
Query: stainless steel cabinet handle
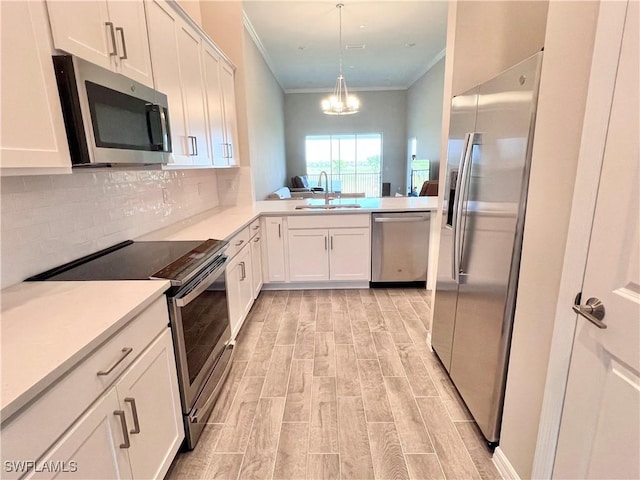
124,43
123,423
239,243
230,150
113,39
125,351
279,231
593,311
256,227
257,239
134,412
244,272
325,242
194,145
331,242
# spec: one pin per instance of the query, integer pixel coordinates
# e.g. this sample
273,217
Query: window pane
353,162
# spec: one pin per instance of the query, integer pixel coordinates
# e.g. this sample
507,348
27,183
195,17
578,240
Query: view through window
353,162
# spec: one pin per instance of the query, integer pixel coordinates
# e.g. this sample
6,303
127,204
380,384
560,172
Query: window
353,162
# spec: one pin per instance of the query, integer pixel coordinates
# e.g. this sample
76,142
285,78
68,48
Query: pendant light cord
340,5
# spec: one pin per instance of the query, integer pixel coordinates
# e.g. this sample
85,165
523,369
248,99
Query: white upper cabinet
221,103
32,136
193,93
111,34
230,119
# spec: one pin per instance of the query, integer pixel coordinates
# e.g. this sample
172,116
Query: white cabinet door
84,29
308,255
274,251
215,107
33,134
91,449
230,116
161,23
350,254
239,289
256,265
132,40
149,396
190,61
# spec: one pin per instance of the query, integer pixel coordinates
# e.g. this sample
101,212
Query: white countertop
224,222
48,327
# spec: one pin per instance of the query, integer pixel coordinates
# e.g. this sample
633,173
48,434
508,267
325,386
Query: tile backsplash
52,219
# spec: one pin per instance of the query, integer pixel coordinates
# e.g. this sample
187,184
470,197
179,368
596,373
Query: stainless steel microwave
109,118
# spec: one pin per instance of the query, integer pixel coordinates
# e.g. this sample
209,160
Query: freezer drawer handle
593,310
400,219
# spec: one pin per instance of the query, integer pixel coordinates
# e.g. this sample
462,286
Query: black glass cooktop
173,260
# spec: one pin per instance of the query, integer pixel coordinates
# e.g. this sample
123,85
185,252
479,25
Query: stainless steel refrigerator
489,157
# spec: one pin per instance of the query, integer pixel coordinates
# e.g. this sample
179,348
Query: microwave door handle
164,129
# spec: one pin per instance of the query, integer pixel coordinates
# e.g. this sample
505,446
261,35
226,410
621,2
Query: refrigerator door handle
456,217
473,139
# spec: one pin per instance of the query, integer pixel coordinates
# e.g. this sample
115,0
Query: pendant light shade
340,103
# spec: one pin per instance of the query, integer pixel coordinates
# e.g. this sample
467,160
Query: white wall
491,36
265,117
382,112
563,89
424,115
51,219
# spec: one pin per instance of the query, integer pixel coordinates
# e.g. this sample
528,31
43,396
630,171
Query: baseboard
314,285
429,342
503,465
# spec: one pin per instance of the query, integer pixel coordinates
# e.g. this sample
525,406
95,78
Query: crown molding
260,46
439,56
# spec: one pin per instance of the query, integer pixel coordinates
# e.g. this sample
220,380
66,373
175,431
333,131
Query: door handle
123,423
593,310
124,55
134,412
113,39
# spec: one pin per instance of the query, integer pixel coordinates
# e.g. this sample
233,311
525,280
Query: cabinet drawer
238,241
34,430
254,227
328,221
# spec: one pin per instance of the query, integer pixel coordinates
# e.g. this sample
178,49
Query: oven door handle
201,287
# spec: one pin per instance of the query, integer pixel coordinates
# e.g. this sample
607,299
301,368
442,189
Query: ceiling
300,41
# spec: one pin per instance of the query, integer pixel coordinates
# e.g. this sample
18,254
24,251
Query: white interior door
600,427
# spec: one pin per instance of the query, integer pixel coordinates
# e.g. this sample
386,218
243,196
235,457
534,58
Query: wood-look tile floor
330,384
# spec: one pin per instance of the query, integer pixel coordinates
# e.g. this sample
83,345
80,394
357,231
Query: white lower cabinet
274,249
349,254
324,248
308,255
91,449
256,265
239,288
132,431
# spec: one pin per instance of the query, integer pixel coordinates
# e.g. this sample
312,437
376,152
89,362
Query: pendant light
340,103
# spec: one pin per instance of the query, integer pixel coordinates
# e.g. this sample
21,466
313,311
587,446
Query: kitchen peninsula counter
225,222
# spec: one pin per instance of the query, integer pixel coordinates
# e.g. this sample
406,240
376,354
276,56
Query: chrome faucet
326,188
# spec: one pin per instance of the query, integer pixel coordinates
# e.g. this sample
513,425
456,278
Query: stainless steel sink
328,206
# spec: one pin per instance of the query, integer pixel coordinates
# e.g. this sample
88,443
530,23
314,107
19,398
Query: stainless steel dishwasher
400,248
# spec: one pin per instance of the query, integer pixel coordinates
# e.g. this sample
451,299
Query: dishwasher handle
422,218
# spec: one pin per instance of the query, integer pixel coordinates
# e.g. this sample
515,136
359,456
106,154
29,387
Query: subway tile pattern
344,398
48,220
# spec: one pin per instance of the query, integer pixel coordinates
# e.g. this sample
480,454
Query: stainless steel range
198,310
